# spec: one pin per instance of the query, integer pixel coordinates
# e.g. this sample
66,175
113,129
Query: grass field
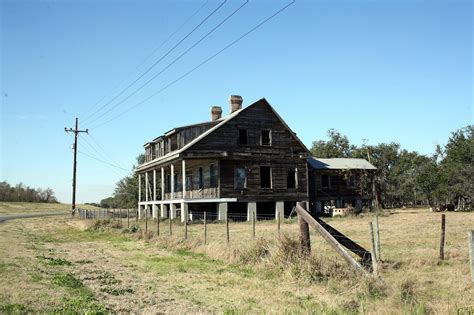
67,265
34,207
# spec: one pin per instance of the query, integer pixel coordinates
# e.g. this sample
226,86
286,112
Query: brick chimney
216,113
235,102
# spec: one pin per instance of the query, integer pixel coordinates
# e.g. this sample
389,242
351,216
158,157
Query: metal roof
340,164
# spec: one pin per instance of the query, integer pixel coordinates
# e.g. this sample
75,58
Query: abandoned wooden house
338,183
247,163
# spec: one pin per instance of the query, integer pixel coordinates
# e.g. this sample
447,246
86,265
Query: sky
382,71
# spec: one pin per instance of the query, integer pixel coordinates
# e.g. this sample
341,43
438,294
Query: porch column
183,164
172,211
164,211
146,186
223,209
280,210
140,212
172,181
184,212
251,210
139,187
154,184
162,183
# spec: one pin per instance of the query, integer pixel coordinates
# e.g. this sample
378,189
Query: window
201,178
189,180
325,182
175,182
240,178
351,181
243,137
213,175
168,184
292,178
265,177
266,138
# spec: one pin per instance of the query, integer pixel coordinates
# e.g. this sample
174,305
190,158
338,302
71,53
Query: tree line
402,178
22,193
407,178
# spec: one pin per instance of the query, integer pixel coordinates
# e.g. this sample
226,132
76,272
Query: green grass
36,207
67,280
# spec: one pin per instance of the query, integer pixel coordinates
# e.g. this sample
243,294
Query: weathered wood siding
283,154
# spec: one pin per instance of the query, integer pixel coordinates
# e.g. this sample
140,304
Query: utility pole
76,134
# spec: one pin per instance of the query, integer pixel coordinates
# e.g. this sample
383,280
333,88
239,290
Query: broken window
292,179
265,177
168,184
213,175
266,138
325,182
240,178
351,181
201,178
243,137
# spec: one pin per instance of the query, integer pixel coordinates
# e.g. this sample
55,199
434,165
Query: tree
337,146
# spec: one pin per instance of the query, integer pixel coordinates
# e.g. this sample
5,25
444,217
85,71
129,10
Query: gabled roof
224,121
340,164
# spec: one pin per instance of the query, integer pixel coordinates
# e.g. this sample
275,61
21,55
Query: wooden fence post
278,223
171,225
128,218
113,214
185,214
205,227
372,248
146,219
254,219
227,227
305,241
136,216
157,223
471,254
443,237
377,236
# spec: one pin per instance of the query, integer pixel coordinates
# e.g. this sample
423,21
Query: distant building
337,182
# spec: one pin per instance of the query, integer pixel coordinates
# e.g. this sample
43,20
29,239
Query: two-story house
249,162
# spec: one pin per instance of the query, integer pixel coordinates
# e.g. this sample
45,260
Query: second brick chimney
235,102
216,113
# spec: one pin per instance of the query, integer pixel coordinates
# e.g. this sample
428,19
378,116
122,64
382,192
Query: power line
158,61
101,147
174,61
145,60
199,65
102,161
101,155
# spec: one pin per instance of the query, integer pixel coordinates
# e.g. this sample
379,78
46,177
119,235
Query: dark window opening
175,182
213,175
266,138
265,177
189,180
243,137
240,178
201,178
325,181
291,179
351,181
168,184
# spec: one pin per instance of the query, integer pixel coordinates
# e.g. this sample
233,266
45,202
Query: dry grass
111,268
36,207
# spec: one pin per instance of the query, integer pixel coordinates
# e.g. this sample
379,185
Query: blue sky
378,70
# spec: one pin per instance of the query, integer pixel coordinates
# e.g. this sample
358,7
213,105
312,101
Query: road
5,218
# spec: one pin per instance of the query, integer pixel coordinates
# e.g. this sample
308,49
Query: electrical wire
174,61
159,60
144,61
198,66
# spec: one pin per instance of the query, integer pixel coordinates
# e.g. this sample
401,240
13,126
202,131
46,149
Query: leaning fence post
146,219
278,222
372,248
205,227
443,237
471,253
305,241
171,225
128,218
